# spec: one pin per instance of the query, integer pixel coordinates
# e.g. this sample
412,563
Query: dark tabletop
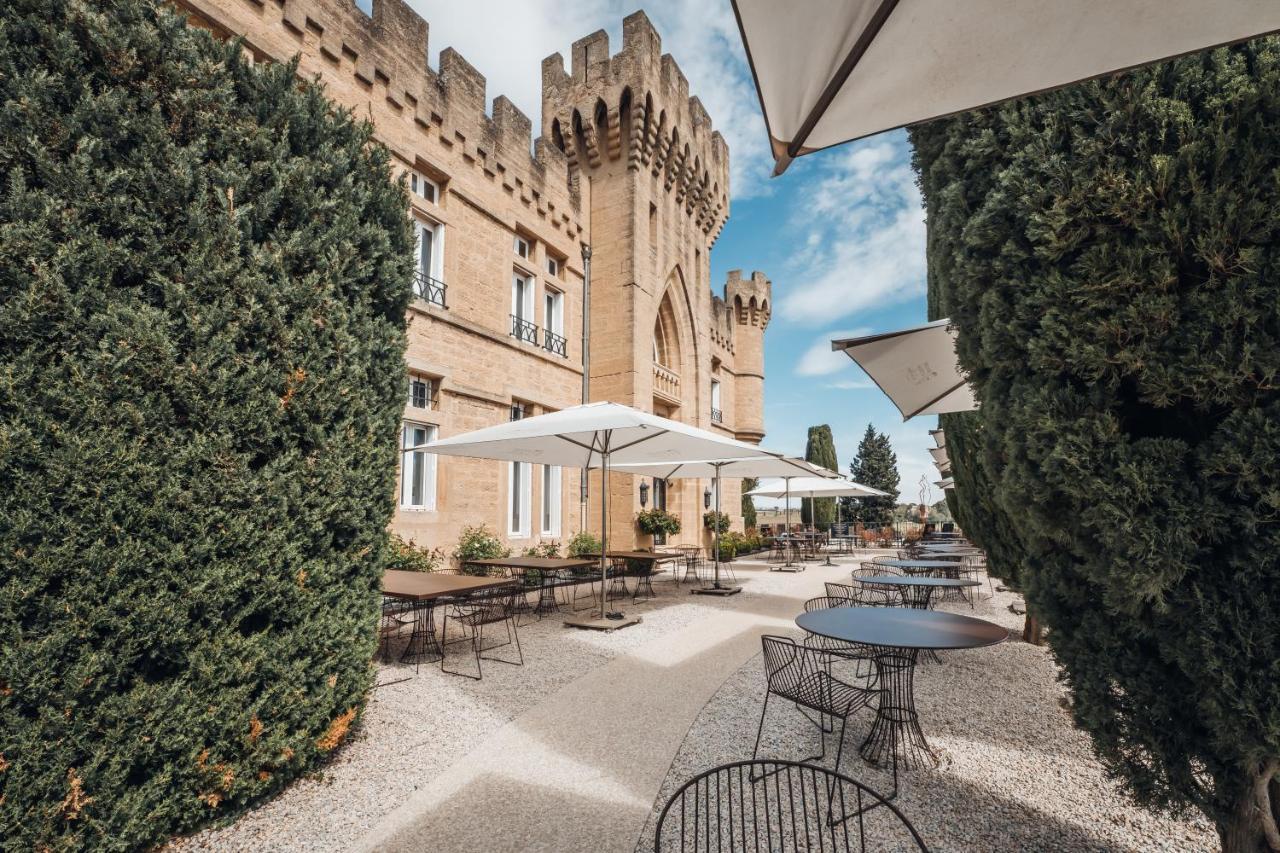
423,586
918,564
903,628
546,563
651,556
898,580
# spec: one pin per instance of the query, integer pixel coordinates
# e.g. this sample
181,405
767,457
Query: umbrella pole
831,532
604,527
716,587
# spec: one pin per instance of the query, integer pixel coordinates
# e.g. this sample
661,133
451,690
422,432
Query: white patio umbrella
829,71
948,483
714,470
916,368
939,437
939,455
809,487
595,435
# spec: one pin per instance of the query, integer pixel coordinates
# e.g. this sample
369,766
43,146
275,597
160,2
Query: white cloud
863,232
507,41
820,360
852,384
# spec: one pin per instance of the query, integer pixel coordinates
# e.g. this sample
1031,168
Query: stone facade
625,162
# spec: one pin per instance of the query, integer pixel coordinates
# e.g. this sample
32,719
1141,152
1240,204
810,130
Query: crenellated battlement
636,104
386,54
749,298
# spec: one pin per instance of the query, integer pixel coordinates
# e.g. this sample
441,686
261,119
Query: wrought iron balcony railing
553,343
717,416
428,288
523,330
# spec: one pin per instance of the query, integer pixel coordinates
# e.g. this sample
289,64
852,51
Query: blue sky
841,234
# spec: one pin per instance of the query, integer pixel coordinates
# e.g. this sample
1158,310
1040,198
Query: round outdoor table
921,567
916,592
900,635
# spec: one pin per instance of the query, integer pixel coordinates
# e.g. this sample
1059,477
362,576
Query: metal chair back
780,806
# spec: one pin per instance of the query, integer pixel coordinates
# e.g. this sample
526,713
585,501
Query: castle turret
749,300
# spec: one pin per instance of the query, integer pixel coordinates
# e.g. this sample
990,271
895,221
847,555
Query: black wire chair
801,674
477,612
863,655
780,806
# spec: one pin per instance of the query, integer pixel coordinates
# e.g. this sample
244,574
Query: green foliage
876,465
549,548
657,520
203,270
748,503
478,542
729,544
820,450
583,542
408,557
1111,253
716,522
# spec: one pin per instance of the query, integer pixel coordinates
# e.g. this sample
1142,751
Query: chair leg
760,730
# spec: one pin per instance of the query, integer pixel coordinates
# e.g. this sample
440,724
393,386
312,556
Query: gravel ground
1015,774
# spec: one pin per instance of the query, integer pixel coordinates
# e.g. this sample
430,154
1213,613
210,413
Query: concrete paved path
580,770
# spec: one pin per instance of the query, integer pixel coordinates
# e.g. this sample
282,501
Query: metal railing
523,330
717,416
428,288
553,343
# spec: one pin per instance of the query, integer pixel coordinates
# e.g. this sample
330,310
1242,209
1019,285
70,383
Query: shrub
656,520
583,542
408,557
1115,287
204,271
478,542
543,549
716,522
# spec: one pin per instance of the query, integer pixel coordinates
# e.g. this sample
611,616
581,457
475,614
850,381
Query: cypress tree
1115,290
875,465
203,268
820,450
748,504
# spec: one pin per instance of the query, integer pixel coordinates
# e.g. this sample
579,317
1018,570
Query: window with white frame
423,187
553,266
522,247
550,500
417,467
522,324
428,251
717,415
553,311
520,483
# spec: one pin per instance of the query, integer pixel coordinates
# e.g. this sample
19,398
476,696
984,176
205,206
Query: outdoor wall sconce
644,493
706,498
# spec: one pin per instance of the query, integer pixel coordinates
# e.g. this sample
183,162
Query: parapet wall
386,53
636,104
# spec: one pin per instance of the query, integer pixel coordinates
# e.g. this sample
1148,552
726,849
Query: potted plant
655,521
716,522
583,543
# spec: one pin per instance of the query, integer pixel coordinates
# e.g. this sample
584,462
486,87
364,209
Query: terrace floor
579,748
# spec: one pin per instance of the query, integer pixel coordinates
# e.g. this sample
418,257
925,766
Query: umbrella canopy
829,71
948,483
595,435
939,455
916,368
813,487
939,437
580,436
762,466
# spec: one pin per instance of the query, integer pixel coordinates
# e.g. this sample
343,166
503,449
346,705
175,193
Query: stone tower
654,176
749,300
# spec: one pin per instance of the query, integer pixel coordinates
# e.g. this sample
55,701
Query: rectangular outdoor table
422,588
548,567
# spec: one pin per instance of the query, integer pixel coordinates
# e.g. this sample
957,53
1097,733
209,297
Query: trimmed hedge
1116,289
203,274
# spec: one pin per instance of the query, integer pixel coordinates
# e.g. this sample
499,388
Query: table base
896,736
423,640
715,590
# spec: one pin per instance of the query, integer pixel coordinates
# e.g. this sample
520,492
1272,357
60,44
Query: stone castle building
626,163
